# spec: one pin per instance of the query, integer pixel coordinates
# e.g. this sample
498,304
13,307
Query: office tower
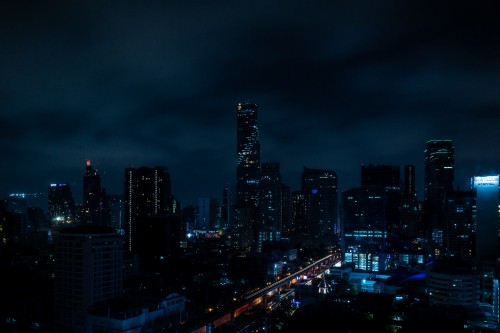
208,214
386,179
116,211
61,205
225,208
439,176
286,209
95,204
487,217
409,213
269,221
159,241
460,228
88,270
321,194
364,216
247,174
147,192
298,224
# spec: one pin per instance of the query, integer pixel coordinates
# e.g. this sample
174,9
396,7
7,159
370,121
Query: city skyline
337,85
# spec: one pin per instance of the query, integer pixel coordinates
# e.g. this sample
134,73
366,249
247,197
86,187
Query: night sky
338,83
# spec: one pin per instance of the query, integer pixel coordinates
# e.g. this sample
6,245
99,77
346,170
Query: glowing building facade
487,217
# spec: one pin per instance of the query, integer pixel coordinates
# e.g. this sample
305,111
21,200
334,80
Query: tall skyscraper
269,222
320,187
88,269
247,174
147,192
439,176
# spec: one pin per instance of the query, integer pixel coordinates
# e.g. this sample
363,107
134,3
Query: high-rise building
95,204
298,224
61,205
269,222
487,217
147,192
88,270
320,187
364,219
460,229
208,214
439,176
409,212
117,219
225,211
386,179
247,174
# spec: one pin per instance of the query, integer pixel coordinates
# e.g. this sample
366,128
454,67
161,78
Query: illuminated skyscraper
439,176
247,174
147,192
487,217
269,223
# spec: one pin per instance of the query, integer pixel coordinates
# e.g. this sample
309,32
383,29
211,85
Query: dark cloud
156,83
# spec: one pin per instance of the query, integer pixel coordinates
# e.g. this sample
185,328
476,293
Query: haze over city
338,84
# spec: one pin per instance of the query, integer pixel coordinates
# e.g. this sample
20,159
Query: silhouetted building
388,179
269,221
298,225
147,192
460,228
88,270
116,211
158,241
61,206
225,214
320,187
95,203
409,208
439,176
208,214
247,174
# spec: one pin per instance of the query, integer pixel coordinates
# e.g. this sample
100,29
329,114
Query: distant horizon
77,187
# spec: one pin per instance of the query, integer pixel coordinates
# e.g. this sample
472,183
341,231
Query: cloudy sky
338,83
